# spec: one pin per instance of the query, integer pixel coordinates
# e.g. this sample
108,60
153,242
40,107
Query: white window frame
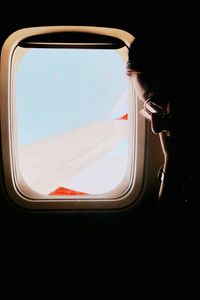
26,199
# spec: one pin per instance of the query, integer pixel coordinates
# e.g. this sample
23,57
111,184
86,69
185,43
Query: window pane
72,120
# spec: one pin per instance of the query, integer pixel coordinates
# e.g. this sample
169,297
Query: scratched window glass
72,114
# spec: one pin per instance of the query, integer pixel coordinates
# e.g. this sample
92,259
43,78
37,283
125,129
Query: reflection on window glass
72,120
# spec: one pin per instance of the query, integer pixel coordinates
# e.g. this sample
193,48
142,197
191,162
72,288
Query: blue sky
61,89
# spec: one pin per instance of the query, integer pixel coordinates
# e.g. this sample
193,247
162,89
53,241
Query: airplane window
72,120
71,133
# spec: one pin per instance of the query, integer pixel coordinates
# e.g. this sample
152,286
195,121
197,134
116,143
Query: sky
62,89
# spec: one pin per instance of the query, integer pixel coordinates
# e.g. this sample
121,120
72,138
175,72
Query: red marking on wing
65,191
124,117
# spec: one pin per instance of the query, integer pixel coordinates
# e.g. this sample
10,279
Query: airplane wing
68,163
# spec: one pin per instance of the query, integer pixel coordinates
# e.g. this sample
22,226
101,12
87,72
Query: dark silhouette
162,62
